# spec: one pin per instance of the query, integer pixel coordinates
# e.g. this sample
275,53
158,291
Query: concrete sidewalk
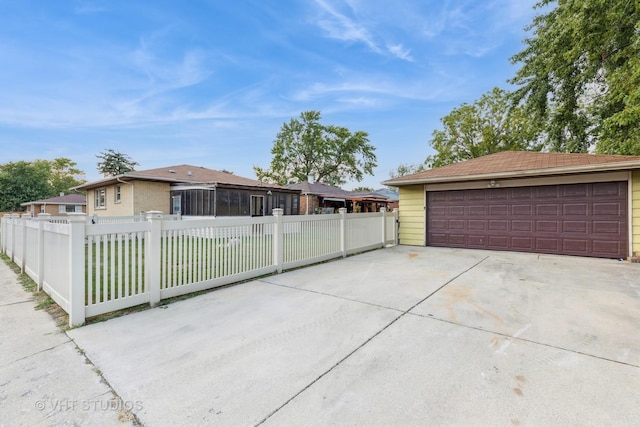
44,379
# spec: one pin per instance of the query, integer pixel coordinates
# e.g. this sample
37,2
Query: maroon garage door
572,219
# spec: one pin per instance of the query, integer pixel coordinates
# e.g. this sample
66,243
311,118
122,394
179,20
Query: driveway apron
403,336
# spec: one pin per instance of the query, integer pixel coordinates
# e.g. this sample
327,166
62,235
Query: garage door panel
607,209
546,192
475,241
575,190
580,209
521,244
499,242
547,210
502,210
476,195
497,194
606,248
438,239
477,211
457,224
575,247
522,193
581,227
547,226
458,240
477,225
606,227
547,244
606,189
438,224
524,226
498,225
578,219
438,211
525,210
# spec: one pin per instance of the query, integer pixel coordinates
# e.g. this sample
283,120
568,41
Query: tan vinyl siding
412,215
635,212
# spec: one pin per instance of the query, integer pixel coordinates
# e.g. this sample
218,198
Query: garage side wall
635,212
412,215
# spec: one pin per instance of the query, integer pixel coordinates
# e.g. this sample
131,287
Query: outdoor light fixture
493,184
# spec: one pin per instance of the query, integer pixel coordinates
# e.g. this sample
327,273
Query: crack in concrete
36,353
514,337
16,303
330,295
367,341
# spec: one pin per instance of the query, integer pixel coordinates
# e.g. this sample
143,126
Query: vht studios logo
67,405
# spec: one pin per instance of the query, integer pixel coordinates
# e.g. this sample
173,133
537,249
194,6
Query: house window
117,194
63,209
100,198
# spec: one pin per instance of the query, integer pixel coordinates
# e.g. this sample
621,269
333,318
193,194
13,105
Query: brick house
187,190
322,198
60,205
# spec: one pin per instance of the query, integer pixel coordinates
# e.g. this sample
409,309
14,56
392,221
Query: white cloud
400,52
340,27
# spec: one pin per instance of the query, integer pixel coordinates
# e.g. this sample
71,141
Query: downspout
307,204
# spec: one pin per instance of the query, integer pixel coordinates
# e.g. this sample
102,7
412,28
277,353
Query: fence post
3,233
152,257
76,268
343,231
278,239
14,222
23,256
396,227
42,218
383,212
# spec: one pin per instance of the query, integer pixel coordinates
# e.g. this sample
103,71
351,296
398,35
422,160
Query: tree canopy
23,181
113,163
487,126
580,75
330,154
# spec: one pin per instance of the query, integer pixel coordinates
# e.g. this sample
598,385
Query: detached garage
555,203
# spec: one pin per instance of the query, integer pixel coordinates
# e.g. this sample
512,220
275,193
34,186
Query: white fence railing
94,268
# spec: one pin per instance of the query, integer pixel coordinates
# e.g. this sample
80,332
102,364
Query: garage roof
514,164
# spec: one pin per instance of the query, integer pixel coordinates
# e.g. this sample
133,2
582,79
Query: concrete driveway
400,336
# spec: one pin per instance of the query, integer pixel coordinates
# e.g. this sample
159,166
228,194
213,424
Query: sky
211,82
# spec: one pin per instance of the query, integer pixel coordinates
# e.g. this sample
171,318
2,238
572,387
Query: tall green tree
113,163
487,126
22,182
330,154
63,174
580,75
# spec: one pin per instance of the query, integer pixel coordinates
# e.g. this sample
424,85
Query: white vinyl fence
95,267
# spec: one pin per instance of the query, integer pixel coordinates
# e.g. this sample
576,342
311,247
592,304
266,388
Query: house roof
68,199
514,164
181,174
324,190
